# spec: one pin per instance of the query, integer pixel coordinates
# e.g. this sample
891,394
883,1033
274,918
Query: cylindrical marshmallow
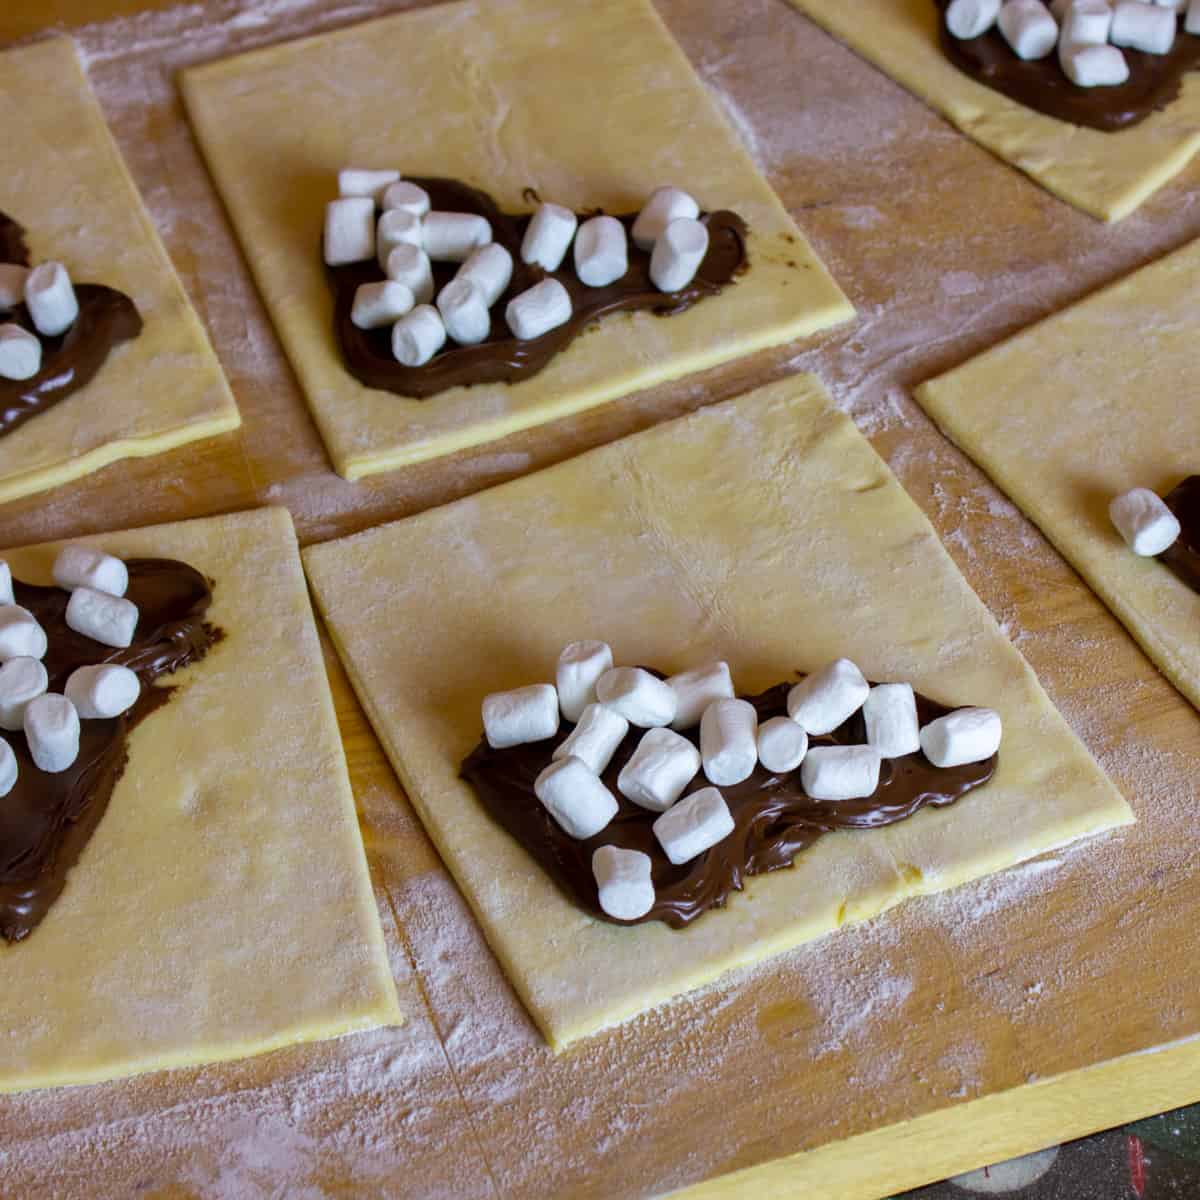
21,680
50,299
490,269
729,741
8,768
1145,27
417,337
782,745
665,205
840,772
967,735
410,265
548,236
828,697
696,689
623,881
538,309
579,666
971,18
106,619
364,181
20,634
1028,28
12,285
890,713
397,228
1145,522
526,714
697,823
575,797
379,304
601,253
52,731
1093,66
102,692
452,236
6,584
663,764
408,197
595,738
1191,23
1085,22
637,695
84,566
20,353
677,255
464,312
349,230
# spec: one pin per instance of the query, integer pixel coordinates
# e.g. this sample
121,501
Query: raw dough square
223,906
1082,407
1106,174
64,181
591,104
765,531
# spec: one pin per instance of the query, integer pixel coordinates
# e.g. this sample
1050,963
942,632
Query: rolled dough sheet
594,105
765,531
64,181
223,906
1106,174
1082,407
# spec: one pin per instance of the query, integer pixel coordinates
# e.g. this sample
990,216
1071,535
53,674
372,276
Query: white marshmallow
12,285
967,735
490,269
575,797
379,304
548,236
1093,66
677,255
349,230
637,695
696,689
84,566
538,309
971,18
396,227
890,713
410,265
52,731
595,738
1084,22
828,697
840,772
20,353
782,745
20,634
21,680
417,337
106,619
464,312
1145,522
6,584
104,691
8,768
1028,28
666,204
624,883
697,823
452,236
50,299
525,714
407,197
729,741
601,254
663,764
579,666
1145,27
1191,22
363,181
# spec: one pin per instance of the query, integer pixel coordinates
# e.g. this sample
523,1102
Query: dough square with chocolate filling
593,105
65,183
1080,408
1105,174
765,531
222,907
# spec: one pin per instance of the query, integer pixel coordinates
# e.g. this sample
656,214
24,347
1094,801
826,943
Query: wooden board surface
1042,1004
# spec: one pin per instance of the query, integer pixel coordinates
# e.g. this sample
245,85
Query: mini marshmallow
601,254
1084,22
579,666
729,741
1191,22
1145,522
1093,66
695,690
967,735
490,269
21,680
50,299
840,772
1145,27
663,764
102,692
637,695
525,714
12,285
828,697
8,768
595,738
1028,28
890,713
407,197
362,181
106,619
538,309
379,304
397,228
623,880
20,353
575,797
548,236
349,230
6,584
52,732
410,265
677,255
971,18
782,745
20,634
83,566
666,204
417,337
466,316
695,824
452,236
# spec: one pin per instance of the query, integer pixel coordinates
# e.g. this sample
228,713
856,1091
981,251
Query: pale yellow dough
1082,407
765,531
223,906
64,181
591,104
1106,174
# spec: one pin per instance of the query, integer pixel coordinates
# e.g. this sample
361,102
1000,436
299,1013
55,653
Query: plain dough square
65,182
1105,174
1082,407
223,906
765,531
593,105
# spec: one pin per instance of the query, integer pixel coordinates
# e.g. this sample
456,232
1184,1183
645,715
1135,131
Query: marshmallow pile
96,610
1086,33
380,216
603,701
49,297
1143,519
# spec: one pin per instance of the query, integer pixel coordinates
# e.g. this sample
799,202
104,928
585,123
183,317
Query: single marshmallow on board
828,697
410,265
782,745
575,797
20,353
490,269
1191,23
580,665
1084,22
418,336
103,691
8,768
538,309
677,254
1145,522
601,252
21,680
696,689
407,197
349,230
379,304
12,285
637,695
548,236
595,738
663,764
697,823
52,731
890,713
6,584
464,312
453,236
20,634
971,18
666,204
106,619
397,228
729,741
84,566
623,881
525,714
840,772
1028,28
967,735
1089,66
1145,27
363,181
50,298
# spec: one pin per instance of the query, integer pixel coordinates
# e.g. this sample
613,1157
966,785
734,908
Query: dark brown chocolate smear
47,820
1183,558
502,358
106,318
773,818
1154,79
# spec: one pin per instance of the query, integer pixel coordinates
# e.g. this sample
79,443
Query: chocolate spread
1183,558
